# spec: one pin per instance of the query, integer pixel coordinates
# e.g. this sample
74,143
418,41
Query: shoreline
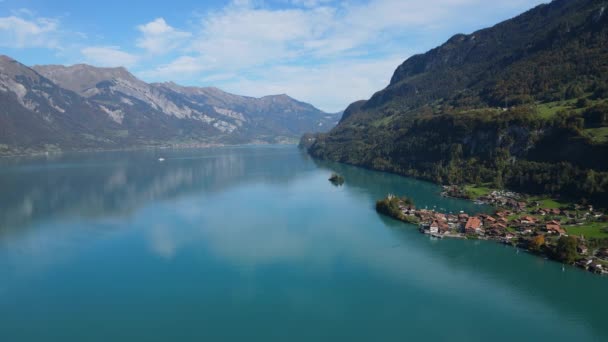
543,234
138,148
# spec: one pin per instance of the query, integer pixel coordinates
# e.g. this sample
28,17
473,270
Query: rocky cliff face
37,114
57,107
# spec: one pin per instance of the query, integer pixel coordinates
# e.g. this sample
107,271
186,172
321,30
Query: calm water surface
255,244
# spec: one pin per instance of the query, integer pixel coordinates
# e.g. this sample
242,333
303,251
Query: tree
407,201
582,103
536,243
573,92
498,181
591,184
566,249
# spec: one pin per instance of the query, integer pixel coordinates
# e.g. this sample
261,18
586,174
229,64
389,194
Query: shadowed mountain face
523,104
37,113
84,107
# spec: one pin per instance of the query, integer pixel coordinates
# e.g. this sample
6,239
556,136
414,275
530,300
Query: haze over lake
254,243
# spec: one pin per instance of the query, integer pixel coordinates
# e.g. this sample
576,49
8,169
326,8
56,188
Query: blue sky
329,53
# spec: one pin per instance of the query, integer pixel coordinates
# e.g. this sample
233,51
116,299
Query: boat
161,159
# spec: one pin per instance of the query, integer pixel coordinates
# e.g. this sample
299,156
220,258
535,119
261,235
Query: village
517,222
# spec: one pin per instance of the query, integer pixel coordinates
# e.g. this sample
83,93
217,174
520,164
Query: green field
475,192
548,203
591,230
597,135
548,110
383,122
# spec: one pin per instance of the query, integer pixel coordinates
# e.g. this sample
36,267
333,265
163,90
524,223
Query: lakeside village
518,222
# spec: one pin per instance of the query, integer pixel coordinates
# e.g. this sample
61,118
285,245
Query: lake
254,243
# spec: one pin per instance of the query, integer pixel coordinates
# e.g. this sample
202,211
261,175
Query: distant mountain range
523,104
53,107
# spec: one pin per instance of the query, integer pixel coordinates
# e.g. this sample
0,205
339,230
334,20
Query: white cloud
108,56
243,36
309,3
181,68
329,86
158,37
325,52
18,32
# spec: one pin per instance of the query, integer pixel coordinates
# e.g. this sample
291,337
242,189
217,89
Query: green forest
522,105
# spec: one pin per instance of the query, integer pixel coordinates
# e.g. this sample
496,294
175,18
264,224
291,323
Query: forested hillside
523,104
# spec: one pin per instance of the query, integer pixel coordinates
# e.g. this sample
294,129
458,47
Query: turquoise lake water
253,243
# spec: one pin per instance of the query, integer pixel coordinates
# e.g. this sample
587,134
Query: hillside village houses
504,225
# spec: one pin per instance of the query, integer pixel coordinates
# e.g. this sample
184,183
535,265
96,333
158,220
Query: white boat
161,159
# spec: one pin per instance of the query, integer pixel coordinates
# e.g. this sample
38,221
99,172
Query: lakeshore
573,234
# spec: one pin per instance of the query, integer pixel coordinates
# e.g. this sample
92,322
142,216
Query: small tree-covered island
573,234
336,179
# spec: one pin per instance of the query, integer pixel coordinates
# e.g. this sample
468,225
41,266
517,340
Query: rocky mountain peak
82,77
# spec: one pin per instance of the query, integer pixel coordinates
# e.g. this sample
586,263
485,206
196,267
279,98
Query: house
444,227
511,203
441,217
434,227
496,229
500,226
489,220
556,212
582,249
502,214
596,268
473,225
584,263
603,253
555,229
503,220
527,220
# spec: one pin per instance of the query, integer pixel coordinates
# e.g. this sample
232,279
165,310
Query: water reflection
117,183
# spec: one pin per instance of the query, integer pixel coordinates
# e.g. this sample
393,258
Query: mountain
523,104
237,119
39,115
52,107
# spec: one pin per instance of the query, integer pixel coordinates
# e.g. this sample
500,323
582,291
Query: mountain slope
84,107
275,114
37,114
521,104
236,118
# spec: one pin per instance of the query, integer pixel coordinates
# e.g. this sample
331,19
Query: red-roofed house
527,220
473,225
555,229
